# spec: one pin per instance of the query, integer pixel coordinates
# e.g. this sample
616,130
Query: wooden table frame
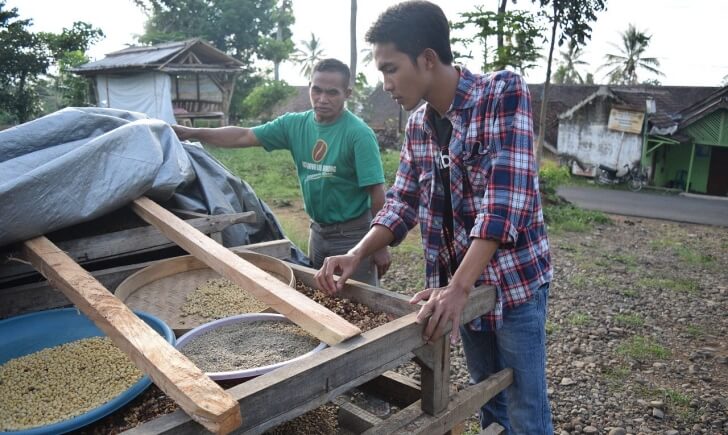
367,358
364,361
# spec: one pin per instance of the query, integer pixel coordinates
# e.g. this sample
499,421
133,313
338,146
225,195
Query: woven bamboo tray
161,289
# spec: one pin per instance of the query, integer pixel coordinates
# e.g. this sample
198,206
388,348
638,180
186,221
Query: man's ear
430,57
347,93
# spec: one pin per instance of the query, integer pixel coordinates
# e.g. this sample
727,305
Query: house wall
672,162
676,159
585,136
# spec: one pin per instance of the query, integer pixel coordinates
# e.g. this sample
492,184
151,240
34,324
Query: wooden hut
183,81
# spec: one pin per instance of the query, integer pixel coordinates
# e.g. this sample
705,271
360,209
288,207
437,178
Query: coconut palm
352,41
567,73
624,66
309,55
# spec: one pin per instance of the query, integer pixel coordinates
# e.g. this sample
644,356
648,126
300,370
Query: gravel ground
638,320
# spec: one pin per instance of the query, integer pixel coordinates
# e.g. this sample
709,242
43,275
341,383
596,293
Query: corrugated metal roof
208,58
133,58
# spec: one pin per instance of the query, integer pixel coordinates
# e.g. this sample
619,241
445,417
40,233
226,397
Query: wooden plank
395,388
290,391
172,372
126,242
434,360
378,299
314,318
354,418
42,296
412,420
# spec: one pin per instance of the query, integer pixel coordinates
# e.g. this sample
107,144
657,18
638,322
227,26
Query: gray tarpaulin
81,163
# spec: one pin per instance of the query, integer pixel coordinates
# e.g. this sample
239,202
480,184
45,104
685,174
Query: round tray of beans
186,293
59,372
247,345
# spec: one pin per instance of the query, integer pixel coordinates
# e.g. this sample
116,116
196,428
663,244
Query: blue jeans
520,343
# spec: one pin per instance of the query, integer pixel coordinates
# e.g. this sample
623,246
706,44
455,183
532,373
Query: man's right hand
342,265
183,133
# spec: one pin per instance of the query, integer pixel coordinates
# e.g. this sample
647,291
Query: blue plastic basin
30,333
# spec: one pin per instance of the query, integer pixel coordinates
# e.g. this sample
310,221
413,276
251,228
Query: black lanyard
443,133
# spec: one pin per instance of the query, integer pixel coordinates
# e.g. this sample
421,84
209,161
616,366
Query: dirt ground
638,320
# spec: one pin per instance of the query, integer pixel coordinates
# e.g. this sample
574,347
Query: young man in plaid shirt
467,175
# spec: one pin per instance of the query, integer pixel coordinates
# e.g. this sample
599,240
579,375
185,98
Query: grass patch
676,398
629,319
295,229
551,327
630,292
559,215
643,348
582,281
390,163
664,243
579,319
562,218
685,253
676,285
695,331
617,374
610,258
694,257
272,175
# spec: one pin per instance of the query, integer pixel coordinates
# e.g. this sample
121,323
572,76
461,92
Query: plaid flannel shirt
493,185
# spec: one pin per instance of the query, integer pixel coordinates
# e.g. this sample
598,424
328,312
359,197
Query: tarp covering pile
78,164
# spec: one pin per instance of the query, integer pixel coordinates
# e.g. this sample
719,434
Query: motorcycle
635,177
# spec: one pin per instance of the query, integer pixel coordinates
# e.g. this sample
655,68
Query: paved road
649,205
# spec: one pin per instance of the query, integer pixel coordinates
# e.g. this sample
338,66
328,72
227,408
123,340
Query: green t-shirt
335,162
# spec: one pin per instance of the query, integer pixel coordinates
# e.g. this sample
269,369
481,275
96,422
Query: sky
686,34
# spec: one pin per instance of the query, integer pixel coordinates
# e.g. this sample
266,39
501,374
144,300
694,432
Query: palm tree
624,65
352,41
309,55
567,73
368,56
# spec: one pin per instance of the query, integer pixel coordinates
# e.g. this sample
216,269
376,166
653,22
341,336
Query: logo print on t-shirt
319,150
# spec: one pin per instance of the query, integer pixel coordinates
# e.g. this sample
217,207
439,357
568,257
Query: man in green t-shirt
338,164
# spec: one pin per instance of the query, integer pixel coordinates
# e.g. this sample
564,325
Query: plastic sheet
81,163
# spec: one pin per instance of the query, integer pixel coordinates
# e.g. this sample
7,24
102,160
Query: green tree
515,34
572,19
309,55
27,57
631,58
262,100
69,51
566,73
278,46
24,59
238,27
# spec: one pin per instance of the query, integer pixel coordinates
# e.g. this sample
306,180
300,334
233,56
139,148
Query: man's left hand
444,304
382,259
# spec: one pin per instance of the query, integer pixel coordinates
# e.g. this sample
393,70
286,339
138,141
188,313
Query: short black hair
333,65
413,26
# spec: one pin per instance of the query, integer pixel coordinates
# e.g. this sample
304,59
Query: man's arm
226,137
447,303
377,238
376,193
382,258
